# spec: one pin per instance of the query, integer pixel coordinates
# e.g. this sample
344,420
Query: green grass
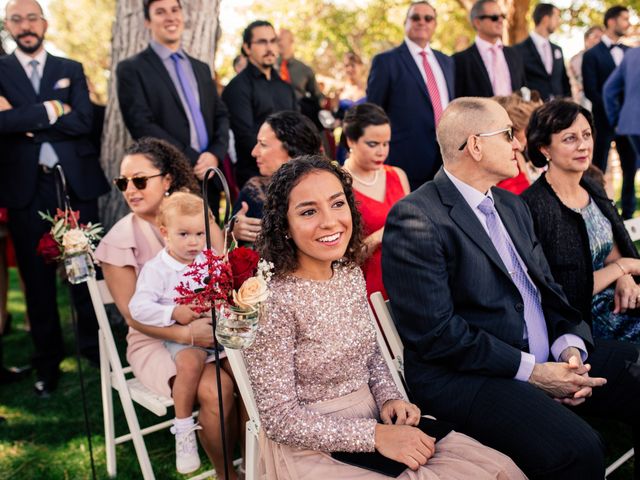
45,438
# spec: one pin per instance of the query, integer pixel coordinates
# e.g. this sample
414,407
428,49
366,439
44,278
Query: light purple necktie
194,107
533,315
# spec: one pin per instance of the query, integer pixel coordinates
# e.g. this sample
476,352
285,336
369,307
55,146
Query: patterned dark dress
606,324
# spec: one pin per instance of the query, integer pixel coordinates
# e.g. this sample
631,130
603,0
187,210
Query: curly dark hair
169,160
298,134
273,243
550,118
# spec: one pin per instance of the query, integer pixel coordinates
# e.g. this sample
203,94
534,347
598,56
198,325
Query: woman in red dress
376,186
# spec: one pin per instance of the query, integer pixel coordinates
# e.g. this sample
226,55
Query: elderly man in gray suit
491,343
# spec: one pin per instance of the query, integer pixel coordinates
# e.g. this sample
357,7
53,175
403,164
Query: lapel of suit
410,63
156,63
21,80
479,66
535,55
448,73
557,63
50,75
201,81
508,56
462,214
607,58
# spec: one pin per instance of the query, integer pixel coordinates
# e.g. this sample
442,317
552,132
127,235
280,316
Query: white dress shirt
501,77
415,50
473,198
616,52
154,299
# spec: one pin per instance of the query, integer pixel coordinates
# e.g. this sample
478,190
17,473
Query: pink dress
319,381
131,242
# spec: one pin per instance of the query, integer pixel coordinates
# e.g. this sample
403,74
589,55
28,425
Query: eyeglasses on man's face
508,131
417,17
31,18
493,18
263,42
140,182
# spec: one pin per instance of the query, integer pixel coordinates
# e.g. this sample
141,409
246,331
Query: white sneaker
187,458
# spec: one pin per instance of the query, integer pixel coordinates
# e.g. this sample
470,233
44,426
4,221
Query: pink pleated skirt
457,456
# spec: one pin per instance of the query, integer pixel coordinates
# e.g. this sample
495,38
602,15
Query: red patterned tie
432,88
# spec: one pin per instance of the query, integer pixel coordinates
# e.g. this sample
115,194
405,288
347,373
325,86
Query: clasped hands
568,380
199,330
397,437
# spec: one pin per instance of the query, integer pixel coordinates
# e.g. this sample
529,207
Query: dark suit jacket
597,65
472,77
536,76
459,314
25,127
395,83
151,106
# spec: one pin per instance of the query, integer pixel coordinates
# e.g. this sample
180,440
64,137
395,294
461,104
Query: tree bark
130,37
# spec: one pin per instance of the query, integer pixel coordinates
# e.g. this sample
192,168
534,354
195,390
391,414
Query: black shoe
43,389
13,374
7,325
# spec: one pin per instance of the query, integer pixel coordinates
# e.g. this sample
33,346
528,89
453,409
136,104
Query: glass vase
235,327
79,267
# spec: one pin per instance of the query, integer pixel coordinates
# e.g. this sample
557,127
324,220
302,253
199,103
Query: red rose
244,263
48,248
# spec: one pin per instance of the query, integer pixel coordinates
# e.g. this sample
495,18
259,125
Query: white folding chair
633,227
381,308
112,375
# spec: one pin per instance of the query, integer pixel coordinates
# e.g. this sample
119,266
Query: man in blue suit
45,120
413,84
597,64
622,98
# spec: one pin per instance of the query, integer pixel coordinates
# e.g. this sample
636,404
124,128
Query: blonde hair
181,203
518,109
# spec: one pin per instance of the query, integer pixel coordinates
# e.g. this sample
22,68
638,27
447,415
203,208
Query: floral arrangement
67,236
238,280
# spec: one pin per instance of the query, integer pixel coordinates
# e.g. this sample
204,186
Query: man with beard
597,64
165,93
544,68
45,119
255,93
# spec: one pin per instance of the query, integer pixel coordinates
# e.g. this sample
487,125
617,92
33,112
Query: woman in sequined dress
319,379
583,237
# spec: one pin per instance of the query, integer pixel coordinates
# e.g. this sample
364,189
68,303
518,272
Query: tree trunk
517,25
129,37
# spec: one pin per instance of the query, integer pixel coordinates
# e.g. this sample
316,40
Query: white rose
75,241
251,293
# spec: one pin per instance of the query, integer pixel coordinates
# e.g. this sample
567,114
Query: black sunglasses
493,18
427,18
508,131
139,182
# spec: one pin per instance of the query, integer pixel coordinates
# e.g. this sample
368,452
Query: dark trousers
635,143
548,440
627,162
26,229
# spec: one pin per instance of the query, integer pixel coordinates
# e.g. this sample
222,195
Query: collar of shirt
174,264
163,52
607,41
256,73
415,49
472,196
24,60
485,46
539,40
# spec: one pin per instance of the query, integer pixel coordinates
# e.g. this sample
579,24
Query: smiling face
144,202
320,222
25,23
416,28
184,236
166,22
571,149
269,152
371,150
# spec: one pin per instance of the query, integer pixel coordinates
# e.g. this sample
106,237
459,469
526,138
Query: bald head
14,3
464,117
285,42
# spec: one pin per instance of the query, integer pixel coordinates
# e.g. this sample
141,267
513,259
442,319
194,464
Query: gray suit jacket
459,314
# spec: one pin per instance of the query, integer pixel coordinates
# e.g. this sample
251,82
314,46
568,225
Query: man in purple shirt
491,343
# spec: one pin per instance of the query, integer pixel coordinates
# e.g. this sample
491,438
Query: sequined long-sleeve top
316,342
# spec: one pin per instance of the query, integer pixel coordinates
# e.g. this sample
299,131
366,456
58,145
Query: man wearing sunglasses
165,93
413,84
45,120
488,68
544,67
491,343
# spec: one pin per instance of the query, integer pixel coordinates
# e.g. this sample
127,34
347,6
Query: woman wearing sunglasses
583,237
152,169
